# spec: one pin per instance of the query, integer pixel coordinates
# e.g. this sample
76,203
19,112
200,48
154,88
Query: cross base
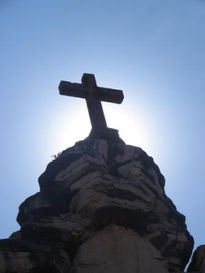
105,133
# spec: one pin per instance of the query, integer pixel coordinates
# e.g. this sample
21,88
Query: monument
93,95
101,208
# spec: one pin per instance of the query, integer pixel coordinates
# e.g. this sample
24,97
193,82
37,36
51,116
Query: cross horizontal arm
103,94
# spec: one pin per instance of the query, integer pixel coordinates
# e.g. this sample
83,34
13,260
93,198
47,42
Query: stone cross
93,95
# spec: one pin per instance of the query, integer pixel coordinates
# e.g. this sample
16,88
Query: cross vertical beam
94,105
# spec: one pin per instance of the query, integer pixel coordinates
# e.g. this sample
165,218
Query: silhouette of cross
93,95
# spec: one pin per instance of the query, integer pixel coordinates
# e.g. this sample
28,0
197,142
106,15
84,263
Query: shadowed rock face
97,184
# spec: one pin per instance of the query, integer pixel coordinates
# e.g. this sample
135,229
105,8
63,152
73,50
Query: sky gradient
153,50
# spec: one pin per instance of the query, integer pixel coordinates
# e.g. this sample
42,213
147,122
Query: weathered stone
35,206
122,185
100,187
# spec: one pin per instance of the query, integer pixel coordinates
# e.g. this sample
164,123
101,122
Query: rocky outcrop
101,208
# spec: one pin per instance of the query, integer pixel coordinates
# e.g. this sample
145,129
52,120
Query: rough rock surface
99,187
121,250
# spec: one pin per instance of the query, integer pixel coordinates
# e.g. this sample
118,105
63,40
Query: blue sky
152,50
